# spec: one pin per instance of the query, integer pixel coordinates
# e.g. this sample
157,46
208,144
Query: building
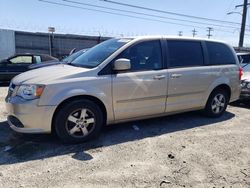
60,45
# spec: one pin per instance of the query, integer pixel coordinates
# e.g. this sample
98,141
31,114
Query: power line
146,14
126,15
119,14
167,12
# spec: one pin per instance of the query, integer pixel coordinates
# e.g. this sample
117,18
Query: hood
45,64
49,74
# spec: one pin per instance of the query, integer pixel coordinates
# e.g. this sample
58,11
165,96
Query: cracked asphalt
185,150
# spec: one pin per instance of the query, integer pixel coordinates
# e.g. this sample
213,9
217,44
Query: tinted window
144,56
185,53
219,54
21,59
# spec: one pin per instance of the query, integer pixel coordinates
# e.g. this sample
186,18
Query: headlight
243,84
30,92
248,86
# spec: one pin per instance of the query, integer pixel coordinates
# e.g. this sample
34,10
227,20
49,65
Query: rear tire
217,103
78,121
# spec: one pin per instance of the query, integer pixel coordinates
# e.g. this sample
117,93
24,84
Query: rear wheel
78,121
217,103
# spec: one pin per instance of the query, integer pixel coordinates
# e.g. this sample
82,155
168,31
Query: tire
217,103
78,121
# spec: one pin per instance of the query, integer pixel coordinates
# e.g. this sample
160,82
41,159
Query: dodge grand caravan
122,80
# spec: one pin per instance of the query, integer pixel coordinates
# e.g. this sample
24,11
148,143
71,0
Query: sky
37,16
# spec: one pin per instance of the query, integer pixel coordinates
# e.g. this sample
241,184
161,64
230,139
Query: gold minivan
124,79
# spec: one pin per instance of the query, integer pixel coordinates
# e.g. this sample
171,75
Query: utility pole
194,32
51,31
180,33
209,30
243,22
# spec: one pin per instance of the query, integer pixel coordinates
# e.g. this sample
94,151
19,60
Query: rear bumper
28,117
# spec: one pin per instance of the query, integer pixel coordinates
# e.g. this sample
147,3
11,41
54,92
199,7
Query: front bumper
245,94
27,117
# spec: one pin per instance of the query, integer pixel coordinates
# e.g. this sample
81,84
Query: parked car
245,82
121,80
19,63
66,60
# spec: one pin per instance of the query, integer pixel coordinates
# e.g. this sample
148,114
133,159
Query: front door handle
159,77
176,75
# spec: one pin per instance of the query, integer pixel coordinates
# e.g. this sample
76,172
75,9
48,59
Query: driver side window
21,60
144,56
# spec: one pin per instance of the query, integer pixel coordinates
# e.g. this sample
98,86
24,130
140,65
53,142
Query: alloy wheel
218,103
80,123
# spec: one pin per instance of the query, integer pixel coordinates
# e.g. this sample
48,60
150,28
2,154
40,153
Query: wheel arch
78,97
225,87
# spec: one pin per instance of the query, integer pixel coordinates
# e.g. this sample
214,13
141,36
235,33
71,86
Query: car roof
33,54
173,37
18,54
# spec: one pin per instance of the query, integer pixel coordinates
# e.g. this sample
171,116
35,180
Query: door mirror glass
122,64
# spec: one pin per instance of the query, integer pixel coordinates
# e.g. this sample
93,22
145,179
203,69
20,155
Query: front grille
15,121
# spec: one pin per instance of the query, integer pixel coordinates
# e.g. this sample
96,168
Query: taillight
240,72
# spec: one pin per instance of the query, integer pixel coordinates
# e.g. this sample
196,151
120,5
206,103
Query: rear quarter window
219,54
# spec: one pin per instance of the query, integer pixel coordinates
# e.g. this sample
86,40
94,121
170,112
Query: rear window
219,54
185,53
46,58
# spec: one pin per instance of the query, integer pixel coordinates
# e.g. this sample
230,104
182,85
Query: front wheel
217,103
78,121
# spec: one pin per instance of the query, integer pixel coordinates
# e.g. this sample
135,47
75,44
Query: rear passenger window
185,53
219,54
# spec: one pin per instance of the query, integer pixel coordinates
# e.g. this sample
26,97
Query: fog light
16,122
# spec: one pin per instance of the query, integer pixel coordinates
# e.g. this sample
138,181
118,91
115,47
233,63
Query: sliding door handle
176,75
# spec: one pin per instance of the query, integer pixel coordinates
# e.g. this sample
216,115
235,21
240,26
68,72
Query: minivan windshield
96,55
73,56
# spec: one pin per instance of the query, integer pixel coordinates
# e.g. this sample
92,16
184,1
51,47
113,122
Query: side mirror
122,65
